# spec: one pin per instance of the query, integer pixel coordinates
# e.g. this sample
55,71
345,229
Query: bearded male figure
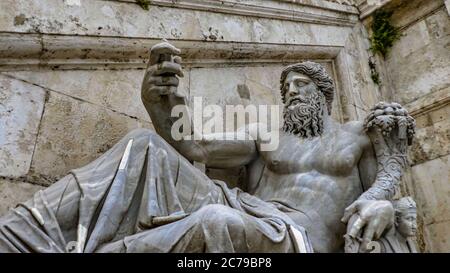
144,195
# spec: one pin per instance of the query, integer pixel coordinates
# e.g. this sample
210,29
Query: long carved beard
306,118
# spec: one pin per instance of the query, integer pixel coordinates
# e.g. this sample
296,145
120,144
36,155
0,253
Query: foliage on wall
383,33
145,4
373,72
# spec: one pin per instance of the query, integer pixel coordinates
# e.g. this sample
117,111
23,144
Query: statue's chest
327,154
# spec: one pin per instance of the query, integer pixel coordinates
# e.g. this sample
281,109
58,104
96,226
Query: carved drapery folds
391,130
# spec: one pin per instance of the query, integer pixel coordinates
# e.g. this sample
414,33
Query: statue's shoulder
355,127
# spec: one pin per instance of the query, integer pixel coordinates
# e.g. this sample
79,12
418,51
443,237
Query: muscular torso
313,181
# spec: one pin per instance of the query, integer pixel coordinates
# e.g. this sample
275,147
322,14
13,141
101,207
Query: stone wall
417,75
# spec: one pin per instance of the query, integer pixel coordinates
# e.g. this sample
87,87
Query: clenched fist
161,77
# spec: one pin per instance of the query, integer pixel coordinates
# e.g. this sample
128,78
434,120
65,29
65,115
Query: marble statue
324,180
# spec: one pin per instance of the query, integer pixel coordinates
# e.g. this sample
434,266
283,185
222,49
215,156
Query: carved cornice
367,7
26,51
83,43
429,103
312,11
343,2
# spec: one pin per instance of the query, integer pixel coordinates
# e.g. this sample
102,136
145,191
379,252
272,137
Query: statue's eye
301,82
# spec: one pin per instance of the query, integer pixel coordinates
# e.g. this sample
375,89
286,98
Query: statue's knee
217,217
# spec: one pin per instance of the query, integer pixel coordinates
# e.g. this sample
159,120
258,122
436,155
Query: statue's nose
292,90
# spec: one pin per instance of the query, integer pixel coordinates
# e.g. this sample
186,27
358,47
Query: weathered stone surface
433,136
115,90
221,86
358,93
73,133
431,179
12,193
418,62
435,238
21,107
112,18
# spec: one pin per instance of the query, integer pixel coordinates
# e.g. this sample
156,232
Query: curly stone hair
318,75
404,204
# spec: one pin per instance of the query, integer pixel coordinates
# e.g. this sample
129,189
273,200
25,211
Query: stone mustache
324,181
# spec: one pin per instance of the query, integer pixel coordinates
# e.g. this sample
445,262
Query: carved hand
371,218
162,71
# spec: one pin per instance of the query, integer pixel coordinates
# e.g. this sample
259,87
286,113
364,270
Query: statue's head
406,216
306,90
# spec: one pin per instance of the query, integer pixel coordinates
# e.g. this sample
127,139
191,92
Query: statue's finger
165,48
164,81
379,230
369,232
356,227
177,59
160,49
150,95
169,68
162,90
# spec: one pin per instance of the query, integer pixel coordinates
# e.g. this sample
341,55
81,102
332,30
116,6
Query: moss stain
145,4
20,20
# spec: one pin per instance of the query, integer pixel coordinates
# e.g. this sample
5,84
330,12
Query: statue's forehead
293,75
409,213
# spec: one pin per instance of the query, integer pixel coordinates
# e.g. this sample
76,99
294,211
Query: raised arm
160,95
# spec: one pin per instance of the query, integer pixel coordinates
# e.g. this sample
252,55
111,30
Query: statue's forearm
206,149
160,113
390,129
387,181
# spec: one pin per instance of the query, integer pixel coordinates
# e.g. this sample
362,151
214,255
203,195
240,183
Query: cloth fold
143,196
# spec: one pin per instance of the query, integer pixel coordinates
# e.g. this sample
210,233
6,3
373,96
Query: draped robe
143,196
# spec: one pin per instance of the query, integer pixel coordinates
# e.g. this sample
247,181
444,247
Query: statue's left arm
390,130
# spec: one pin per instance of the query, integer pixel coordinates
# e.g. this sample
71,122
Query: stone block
418,61
116,90
73,133
21,106
436,237
12,193
431,181
432,141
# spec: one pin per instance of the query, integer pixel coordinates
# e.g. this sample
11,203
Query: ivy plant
383,33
